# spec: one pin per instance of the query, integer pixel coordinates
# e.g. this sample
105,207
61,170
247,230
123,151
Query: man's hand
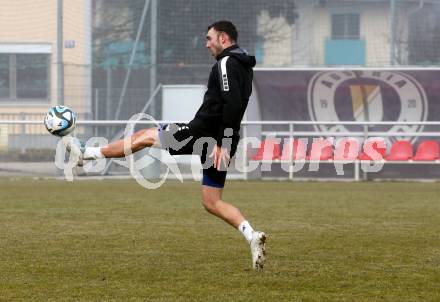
221,156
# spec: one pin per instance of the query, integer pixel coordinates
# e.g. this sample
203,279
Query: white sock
93,153
246,229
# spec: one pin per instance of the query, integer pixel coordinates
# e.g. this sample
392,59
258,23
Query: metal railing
32,130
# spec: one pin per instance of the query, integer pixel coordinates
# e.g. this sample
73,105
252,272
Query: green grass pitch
116,241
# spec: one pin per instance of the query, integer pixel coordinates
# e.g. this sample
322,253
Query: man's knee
211,198
210,203
145,137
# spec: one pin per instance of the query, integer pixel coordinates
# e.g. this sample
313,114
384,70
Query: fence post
22,139
245,154
291,150
109,99
356,170
96,113
365,174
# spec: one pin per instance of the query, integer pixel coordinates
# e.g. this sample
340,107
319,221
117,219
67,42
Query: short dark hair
226,27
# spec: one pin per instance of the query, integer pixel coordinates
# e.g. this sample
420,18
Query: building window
346,26
4,76
24,77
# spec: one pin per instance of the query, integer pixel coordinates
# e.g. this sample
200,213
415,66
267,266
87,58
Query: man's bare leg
138,141
120,148
213,203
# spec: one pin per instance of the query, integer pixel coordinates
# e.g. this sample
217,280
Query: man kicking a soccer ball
218,121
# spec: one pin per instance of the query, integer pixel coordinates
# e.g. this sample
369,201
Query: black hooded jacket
225,101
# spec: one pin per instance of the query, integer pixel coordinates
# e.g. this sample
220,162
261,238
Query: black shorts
178,139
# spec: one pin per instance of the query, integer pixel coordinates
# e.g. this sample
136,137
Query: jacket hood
238,53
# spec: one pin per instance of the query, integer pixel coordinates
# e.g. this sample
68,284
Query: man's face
213,42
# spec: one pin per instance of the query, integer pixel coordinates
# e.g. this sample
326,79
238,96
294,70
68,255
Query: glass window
32,76
346,26
4,76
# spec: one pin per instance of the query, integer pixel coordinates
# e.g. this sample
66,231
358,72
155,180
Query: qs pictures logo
367,96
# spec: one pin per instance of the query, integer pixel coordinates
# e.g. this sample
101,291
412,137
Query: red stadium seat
400,150
427,150
378,146
322,149
347,149
294,149
269,150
